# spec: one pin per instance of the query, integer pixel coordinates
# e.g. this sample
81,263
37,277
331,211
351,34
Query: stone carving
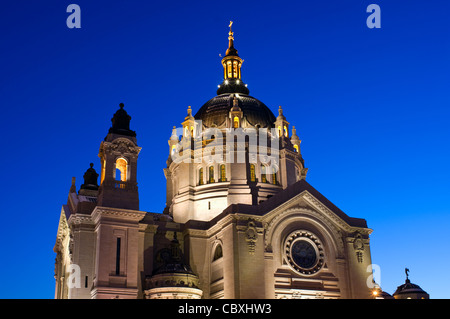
71,246
251,236
122,146
358,246
304,212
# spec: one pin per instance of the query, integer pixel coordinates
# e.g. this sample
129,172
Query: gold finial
231,32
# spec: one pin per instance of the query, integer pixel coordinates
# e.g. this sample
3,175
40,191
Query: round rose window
304,252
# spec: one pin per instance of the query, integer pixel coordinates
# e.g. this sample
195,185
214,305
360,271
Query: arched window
274,178
102,178
236,122
211,174
174,148
200,176
252,173
263,174
296,148
121,169
223,175
285,131
279,131
218,253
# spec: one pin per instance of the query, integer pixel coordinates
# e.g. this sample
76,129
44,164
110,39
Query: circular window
304,252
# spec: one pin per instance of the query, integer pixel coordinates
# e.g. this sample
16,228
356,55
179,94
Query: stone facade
232,228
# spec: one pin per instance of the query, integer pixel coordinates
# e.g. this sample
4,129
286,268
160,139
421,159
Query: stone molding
173,293
336,219
304,212
114,213
63,231
122,146
310,237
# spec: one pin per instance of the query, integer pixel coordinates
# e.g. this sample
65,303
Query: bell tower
118,155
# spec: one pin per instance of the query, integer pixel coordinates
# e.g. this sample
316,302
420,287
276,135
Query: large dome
215,111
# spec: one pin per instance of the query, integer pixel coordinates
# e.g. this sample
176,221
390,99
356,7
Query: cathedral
240,221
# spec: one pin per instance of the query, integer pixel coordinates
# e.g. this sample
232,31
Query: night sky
371,107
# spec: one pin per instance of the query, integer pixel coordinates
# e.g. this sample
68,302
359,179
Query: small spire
280,114
230,34
90,178
231,50
295,140
235,101
189,114
174,133
294,131
235,107
73,188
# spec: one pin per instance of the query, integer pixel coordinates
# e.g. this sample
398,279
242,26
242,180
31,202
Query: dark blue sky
370,105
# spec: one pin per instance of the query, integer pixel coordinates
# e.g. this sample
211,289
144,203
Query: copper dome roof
409,288
215,111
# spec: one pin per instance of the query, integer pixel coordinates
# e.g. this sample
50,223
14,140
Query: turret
118,154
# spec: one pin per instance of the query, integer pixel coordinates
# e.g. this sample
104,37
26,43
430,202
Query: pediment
63,228
302,196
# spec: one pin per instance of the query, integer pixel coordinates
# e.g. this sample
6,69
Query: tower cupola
90,179
118,155
281,124
121,123
295,140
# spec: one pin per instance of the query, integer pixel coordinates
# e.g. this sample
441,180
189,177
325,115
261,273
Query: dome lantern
231,62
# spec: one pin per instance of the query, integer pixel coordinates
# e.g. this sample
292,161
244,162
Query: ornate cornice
116,213
79,219
331,215
121,146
